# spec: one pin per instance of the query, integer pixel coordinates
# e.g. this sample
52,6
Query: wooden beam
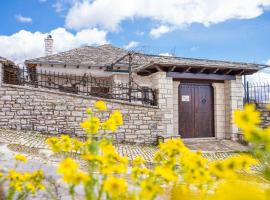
228,72
172,69
202,70
200,76
241,72
215,71
187,69
158,68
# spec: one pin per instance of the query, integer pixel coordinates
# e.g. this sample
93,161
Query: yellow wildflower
54,144
236,190
31,187
115,186
91,125
65,143
166,173
101,105
117,117
138,173
247,118
149,189
109,124
139,160
20,157
67,166
89,111
77,145
79,177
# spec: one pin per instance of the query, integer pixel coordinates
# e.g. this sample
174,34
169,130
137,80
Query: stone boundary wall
54,112
265,117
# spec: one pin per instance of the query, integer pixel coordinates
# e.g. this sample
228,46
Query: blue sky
240,34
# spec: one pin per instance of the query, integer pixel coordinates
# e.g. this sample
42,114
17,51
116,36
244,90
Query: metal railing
257,93
83,85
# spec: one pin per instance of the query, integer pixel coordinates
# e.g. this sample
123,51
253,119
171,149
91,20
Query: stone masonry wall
55,112
175,107
265,117
219,110
234,93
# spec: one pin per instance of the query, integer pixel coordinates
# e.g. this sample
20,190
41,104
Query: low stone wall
56,112
265,117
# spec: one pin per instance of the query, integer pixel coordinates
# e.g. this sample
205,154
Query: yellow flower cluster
249,120
64,144
92,125
189,174
21,158
115,187
26,181
71,174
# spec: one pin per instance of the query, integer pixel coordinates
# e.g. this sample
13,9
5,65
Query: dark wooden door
195,110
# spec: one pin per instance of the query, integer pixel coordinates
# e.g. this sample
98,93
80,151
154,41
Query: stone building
196,97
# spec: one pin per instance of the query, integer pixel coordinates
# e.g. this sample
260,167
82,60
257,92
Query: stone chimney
48,45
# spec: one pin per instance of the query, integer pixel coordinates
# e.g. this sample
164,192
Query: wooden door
196,110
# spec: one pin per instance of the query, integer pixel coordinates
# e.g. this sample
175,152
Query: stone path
33,145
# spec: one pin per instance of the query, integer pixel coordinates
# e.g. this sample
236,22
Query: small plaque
185,98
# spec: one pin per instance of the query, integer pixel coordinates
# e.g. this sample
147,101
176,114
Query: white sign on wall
185,98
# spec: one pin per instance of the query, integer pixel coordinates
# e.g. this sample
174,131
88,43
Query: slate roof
102,55
105,55
5,61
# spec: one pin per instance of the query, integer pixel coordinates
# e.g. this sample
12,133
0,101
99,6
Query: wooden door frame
196,82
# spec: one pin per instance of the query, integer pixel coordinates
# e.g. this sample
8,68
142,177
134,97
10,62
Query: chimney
48,45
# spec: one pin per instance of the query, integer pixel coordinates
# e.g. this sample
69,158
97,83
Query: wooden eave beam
215,71
197,76
241,72
228,72
187,69
158,68
172,69
202,70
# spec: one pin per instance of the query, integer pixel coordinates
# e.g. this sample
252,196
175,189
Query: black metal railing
83,85
257,93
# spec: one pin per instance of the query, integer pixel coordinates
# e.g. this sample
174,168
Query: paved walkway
33,145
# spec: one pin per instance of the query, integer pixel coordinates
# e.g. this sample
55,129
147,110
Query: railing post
129,76
1,74
247,93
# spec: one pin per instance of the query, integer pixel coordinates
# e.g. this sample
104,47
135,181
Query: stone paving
33,145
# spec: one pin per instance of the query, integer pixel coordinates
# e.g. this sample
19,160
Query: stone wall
176,107
265,117
234,93
219,110
55,112
164,85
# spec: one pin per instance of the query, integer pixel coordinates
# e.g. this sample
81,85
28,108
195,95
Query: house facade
196,97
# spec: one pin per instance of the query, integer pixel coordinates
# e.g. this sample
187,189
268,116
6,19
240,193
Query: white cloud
58,6
268,62
131,45
109,14
157,32
23,19
165,54
24,44
259,77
